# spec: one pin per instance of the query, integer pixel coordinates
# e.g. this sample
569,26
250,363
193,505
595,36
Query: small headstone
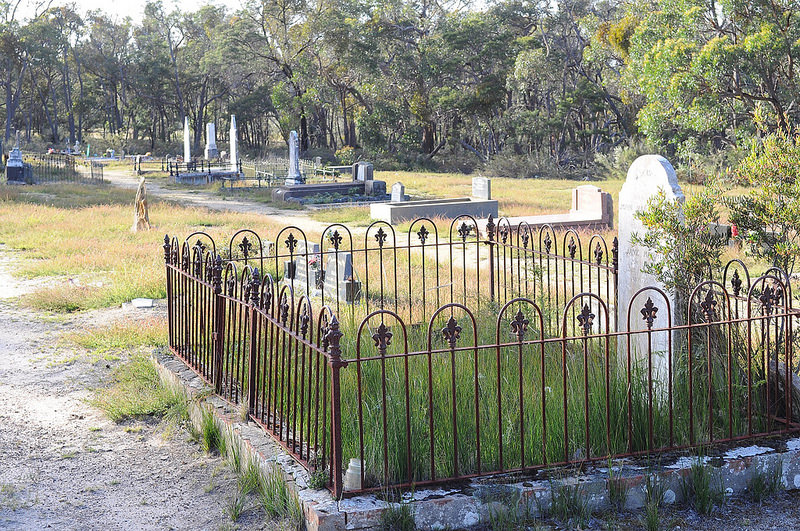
307,269
15,167
375,188
398,192
318,162
365,171
481,187
340,279
211,141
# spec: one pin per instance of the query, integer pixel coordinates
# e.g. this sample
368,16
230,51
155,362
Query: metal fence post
252,357
335,362
219,322
490,228
170,317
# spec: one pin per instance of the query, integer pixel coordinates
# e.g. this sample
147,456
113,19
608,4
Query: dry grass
81,236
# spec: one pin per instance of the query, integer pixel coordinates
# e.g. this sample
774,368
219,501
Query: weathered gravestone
398,192
294,176
364,171
481,187
648,176
306,270
340,279
374,188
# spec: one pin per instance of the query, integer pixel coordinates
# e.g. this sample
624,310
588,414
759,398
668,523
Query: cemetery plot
431,357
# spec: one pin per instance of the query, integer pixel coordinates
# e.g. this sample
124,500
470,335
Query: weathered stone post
187,147
648,176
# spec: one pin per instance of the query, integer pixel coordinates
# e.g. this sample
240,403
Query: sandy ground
63,465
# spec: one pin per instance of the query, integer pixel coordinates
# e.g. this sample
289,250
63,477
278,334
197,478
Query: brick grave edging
473,502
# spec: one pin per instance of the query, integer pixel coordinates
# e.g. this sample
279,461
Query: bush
768,216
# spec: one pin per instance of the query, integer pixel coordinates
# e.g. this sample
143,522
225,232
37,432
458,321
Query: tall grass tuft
137,391
702,488
278,500
212,439
765,481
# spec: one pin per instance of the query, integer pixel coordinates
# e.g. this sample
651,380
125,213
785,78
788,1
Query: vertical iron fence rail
258,349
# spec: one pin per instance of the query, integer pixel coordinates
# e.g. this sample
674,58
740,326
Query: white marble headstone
648,176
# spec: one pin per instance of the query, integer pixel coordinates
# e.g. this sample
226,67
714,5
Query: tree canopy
545,84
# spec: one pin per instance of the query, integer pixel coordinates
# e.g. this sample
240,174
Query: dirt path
202,198
63,465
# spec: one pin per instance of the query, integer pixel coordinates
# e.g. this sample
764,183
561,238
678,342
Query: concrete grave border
471,503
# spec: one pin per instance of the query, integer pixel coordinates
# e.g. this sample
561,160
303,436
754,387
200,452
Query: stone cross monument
294,176
187,147
234,144
211,141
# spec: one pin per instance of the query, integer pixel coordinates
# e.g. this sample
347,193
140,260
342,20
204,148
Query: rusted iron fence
57,167
482,351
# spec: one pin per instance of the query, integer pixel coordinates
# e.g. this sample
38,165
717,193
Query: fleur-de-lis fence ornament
305,319
382,338
770,298
585,319
526,238
736,283
598,253
572,247
246,246
200,245
230,285
451,332
519,325
709,307
422,234
490,226
548,242
649,313
291,243
464,230
284,309
504,233
323,333
335,239
380,237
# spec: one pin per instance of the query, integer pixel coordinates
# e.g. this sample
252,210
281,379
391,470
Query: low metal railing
487,378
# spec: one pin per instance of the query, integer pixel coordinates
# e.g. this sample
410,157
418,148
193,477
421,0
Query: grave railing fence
513,363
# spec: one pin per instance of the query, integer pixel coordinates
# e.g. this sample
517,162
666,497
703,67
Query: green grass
765,481
212,440
137,391
703,488
353,216
145,332
277,500
653,499
77,239
397,517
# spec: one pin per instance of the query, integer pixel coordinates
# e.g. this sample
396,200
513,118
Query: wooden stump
141,216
